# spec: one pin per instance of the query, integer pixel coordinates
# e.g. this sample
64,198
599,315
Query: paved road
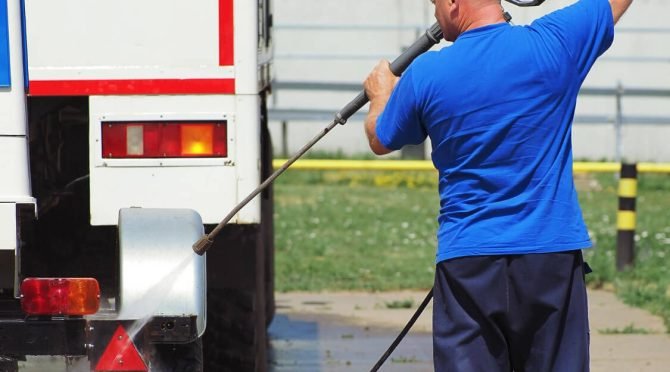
350,331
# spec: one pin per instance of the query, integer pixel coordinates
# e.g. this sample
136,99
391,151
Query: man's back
498,106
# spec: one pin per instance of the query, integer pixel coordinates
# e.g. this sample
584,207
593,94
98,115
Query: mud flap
160,275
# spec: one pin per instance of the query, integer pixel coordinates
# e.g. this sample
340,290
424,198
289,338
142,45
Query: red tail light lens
164,139
60,296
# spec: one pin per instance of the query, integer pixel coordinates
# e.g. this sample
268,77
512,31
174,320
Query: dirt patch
364,309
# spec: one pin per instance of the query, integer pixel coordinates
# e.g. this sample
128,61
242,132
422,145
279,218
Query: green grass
627,330
375,231
647,284
399,304
336,236
403,359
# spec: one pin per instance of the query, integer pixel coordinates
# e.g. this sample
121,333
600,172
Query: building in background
339,42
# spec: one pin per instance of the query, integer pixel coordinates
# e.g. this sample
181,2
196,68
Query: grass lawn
341,234
375,231
647,284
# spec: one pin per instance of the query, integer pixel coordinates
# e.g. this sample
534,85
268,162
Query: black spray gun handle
432,36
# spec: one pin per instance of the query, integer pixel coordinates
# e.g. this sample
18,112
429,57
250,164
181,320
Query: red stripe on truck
127,87
226,35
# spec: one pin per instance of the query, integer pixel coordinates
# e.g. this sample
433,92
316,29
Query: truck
128,129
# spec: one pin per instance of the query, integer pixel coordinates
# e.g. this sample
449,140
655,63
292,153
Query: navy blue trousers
522,313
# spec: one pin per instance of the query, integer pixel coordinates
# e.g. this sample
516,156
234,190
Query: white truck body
156,60
78,78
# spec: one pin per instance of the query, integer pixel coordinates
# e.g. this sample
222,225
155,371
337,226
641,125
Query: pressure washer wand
431,37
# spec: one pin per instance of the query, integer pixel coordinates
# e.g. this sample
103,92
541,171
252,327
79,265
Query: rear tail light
60,296
164,139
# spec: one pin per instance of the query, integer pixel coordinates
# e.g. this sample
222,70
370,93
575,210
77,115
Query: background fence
616,120
324,52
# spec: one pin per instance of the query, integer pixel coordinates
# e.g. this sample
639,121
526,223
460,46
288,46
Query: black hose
404,331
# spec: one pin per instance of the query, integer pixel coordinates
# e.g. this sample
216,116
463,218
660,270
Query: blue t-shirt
498,107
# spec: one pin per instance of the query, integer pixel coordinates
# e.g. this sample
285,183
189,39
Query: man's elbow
375,145
378,148
619,7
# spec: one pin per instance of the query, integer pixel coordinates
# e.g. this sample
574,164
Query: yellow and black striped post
625,221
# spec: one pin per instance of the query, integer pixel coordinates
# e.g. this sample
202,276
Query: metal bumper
42,337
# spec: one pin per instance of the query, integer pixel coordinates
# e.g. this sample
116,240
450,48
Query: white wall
346,54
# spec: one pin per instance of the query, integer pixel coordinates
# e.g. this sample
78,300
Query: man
498,106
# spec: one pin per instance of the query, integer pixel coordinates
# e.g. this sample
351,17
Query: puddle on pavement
326,343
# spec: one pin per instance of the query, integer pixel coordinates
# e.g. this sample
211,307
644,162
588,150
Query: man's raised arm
619,7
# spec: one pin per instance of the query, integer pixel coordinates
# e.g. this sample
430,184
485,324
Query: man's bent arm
378,87
376,108
619,7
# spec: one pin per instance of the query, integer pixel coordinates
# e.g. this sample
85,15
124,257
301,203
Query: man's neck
483,16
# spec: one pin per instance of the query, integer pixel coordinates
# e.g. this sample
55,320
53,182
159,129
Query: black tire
177,357
230,339
235,337
8,364
267,216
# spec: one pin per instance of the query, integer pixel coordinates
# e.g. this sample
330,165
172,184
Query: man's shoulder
433,61
427,59
423,66
573,12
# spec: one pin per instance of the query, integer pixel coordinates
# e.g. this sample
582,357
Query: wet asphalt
328,343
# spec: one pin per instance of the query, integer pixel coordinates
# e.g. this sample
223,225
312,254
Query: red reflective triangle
121,355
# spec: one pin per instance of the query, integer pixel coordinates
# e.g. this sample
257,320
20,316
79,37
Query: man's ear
454,5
